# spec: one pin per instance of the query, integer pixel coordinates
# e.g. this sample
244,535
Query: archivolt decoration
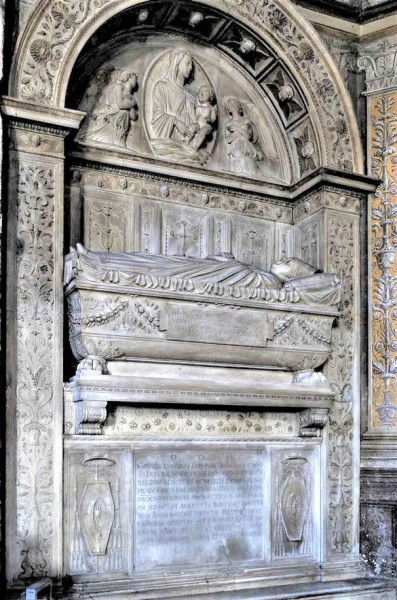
58,30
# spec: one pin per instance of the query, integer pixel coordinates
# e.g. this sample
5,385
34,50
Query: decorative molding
361,12
182,421
36,140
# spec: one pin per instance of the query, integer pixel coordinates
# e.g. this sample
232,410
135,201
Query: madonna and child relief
180,113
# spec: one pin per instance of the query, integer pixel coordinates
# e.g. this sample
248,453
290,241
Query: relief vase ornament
294,500
97,515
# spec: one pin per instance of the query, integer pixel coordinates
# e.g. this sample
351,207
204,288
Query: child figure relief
206,113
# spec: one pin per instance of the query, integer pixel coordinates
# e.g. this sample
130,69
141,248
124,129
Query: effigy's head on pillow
291,268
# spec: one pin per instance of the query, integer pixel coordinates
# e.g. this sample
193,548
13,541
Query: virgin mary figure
173,117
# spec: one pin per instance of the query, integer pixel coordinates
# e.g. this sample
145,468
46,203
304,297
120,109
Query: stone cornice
356,14
112,163
32,115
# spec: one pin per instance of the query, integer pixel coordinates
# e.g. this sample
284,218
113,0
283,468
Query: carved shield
97,515
294,507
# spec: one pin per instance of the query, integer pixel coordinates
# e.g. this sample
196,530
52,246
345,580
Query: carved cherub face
205,94
234,107
103,72
130,77
286,92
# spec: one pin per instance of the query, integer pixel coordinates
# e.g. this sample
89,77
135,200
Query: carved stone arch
58,30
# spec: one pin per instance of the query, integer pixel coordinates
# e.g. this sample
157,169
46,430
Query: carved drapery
34,357
56,32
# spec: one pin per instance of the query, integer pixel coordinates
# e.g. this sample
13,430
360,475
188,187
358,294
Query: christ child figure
206,114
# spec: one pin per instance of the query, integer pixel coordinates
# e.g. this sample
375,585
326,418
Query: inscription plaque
198,507
217,325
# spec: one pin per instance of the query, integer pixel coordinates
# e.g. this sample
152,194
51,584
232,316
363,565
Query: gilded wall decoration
384,274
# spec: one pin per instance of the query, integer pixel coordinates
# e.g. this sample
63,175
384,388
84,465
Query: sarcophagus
135,306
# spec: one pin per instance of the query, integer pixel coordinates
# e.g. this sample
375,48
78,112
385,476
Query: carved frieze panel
340,200
157,421
96,515
129,184
147,227
290,329
185,232
34,354
44,140
284,241
341,371
118,223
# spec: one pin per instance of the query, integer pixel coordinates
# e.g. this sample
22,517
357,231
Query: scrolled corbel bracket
84,417
312,421
91,417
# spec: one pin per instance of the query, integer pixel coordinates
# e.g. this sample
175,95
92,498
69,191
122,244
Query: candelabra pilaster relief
384,250
34,337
